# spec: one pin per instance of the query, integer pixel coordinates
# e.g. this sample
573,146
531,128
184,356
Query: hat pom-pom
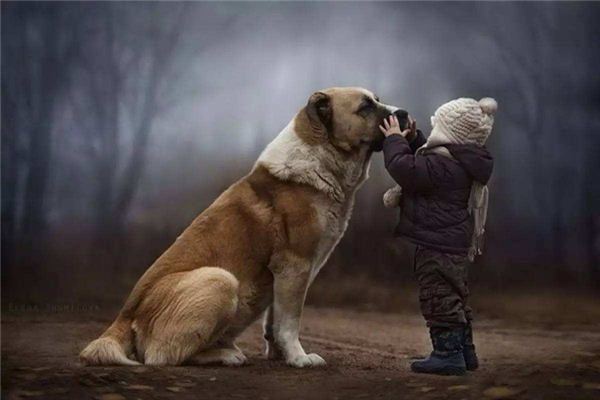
488,105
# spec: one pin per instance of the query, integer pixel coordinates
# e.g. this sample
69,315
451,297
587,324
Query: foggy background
122,121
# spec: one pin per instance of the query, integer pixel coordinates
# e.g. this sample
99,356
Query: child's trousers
443,291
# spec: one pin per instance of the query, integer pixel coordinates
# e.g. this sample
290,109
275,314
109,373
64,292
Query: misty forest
122,121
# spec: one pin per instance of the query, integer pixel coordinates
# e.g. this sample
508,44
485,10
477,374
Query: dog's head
348,117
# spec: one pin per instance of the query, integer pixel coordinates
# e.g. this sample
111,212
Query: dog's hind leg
230,356
184,314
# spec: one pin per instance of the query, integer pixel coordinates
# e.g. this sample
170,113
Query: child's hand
391,198
411,130
392,127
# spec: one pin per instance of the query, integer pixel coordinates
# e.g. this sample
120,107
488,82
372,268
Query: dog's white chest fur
289,158
333,219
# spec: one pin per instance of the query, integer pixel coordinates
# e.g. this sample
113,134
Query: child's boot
471,360
447,355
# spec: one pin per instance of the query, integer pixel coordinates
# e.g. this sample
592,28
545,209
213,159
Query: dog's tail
112,347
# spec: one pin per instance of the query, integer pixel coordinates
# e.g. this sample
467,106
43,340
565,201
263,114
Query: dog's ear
320,113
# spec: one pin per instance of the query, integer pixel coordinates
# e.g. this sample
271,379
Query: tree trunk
106,91
161,53
39,152
9,176
11,100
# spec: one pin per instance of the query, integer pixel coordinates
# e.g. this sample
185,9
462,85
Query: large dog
256,249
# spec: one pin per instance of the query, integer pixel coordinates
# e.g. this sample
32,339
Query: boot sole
447,371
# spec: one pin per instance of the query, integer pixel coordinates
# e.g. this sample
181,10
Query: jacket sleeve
409,171
418,141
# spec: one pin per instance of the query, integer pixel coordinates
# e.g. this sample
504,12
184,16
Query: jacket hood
476,160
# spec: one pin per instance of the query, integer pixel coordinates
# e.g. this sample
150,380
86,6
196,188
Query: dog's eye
366,106
364,110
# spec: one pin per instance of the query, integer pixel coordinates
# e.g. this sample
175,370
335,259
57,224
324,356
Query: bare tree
41,51
525,48
124,68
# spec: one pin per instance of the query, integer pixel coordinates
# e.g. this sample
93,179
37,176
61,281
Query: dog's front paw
306,360
392,197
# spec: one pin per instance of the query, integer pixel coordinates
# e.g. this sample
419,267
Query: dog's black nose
402,116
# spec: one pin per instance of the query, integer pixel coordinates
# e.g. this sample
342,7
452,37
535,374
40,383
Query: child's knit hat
463,121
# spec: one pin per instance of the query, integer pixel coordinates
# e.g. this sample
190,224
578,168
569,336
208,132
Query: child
443,208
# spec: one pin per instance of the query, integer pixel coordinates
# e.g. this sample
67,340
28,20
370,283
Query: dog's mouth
376,145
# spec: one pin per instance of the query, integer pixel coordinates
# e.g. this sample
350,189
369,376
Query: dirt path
367,353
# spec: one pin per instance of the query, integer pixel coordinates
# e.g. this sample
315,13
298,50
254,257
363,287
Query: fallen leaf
529,371
31,393
585,353
175,389
185,384
103,389
111,396
426,389
500,392
458,387
39,369
212,379
563,382
139,387
65,373
591,385
28,377
89,382
59,390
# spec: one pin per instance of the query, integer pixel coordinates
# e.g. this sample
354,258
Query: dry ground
368,354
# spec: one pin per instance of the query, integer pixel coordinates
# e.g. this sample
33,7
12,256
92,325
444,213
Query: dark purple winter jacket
435,191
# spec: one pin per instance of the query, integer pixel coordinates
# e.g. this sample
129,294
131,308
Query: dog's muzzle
402,116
